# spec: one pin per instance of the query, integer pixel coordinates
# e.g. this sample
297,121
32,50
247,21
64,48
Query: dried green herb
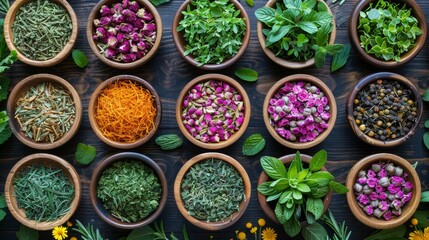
85,154
246,74
79,58
253,144
88,232
44,193
129,190
212,190
46,112
26,233
169,141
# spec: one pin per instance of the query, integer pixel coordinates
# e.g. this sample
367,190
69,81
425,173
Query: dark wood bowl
372,78
409,208
98,205
263,177
180,42
20,89
212,226
90,30
355,41
8,35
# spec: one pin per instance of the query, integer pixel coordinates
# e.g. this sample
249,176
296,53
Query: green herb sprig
79,58
169,141
425,98
246,74
85,154
253,144
88,232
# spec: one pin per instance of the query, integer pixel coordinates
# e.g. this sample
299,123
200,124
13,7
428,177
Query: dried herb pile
212,190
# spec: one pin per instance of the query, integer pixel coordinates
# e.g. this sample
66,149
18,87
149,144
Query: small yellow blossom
249,225
241,236
414,221
253,230
73,238
269,234
261,222
59,233
419,235
69,224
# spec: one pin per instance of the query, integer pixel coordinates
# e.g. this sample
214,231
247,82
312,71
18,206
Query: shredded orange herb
125,111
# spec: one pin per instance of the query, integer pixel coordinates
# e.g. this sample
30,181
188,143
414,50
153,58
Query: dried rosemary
41,29
44,193
46,112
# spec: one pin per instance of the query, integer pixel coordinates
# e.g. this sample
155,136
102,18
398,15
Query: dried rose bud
357,187
133,6
376,167
104,10
384,181
390,169
367,189
399,171
362,173
109,53
112,42
378,213
374,203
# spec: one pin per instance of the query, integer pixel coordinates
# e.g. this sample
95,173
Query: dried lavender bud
384,181
357,187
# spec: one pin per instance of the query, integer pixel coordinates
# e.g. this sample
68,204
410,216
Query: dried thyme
46,112
212,190
41,29
44,193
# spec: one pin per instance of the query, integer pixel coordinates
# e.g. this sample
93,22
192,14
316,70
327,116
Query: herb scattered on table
425,97
159,2
246,74
129,190
2,206
341,231
169,141
37,191
85,154
340,59
88,232
388,29
26,233
212,190
213,30
41,29
79,58
153,233
5,131
46,112
253,144
250,3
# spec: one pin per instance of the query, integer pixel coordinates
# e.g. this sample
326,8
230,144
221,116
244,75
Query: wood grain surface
168,72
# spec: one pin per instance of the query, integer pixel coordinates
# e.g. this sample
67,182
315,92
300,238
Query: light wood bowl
406,57
90,30
236,135
180,42
368,80
284,62
8,23
212,226
409,208
47,160
20,89
332,104
267,208
98,205
93,103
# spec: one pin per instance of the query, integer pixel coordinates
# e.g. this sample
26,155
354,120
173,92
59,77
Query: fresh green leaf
142,233
388,234
308,27
246,74
340,59
250,3
315,206
88,232
253,144
278,210
2,214
288,212
2,201
424,197
265,15
338,187
303,187
292,227
426,139
5,134
309,217
85,154
280,184
265,189
320,57
26,233
318,160
273,167
423,217
321,175
314,231
425,96
159,2
274,197
79,58
295,167
319,192
4,87
185,233
427,124
169,141
334,48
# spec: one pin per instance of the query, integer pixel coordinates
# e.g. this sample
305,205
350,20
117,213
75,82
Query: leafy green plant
387,29
298,30
298,190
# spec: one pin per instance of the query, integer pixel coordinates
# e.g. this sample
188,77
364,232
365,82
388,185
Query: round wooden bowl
93,103
8,35
236,135
21,89
180,42
90,30
212,226
409,208
372,78
314,81
98,205
284,62
267,208
355,41
47,160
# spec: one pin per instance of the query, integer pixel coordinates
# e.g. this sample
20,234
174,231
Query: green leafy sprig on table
169,141
246,74
85,154
88,232
26,233
253,144
425,97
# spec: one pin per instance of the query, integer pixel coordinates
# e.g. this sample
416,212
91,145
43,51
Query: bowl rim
308,79
8,23
45,159
212,226
93,121
98,205
121,65
411,206
247,110
31,81
354,36
362,84
178,39
284,62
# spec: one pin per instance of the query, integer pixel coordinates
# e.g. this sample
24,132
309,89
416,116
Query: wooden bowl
267,208
212,226
21,89
98,205
90,30
180,42
8,35
355,41
47,160
372,78
236,135
314,81
92,109
409,208
284,62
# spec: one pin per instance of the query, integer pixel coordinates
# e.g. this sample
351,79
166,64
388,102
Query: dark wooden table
168,73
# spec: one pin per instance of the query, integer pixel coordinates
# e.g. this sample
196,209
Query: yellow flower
419,235
261,222
414,221
249,225
241,236
253,230
59,233
269,234
73,238
69,224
